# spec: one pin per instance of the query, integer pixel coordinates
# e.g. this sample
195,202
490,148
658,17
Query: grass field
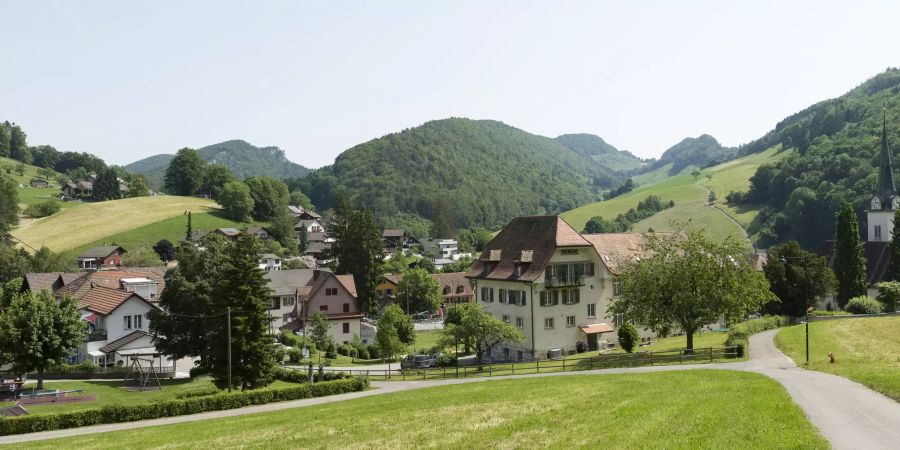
865,350
27,194
112,393
95,222
690,199
691,409
425,340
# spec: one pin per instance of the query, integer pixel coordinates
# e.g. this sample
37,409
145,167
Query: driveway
847,413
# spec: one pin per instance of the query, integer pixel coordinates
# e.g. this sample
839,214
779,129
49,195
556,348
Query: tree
189,233
889,295
142,257
38,331
303,242
357,250
215,177
478,326
106,187
9,204
393,327
628,337
244,289
319,330
44,260
4,139
18,148
849,259
14,262
269,195
795,286
688,280
236,202
443,219
138,187
695,174
454,317
419,292
165,250
474,239
895,251
281,228
300,199
184,176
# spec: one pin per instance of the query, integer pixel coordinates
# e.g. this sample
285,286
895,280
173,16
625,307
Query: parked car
418,362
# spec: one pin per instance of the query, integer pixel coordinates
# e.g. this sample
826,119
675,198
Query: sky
126,80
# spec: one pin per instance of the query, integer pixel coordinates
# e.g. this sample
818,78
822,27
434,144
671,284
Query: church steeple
886,186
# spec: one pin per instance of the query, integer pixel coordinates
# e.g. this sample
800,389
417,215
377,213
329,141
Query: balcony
96,335
567,281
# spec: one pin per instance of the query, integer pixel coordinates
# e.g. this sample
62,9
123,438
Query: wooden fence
609,361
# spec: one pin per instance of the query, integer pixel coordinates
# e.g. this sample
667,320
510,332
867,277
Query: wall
884,219
115,321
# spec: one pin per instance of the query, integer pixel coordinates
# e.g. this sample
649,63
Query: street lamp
804,261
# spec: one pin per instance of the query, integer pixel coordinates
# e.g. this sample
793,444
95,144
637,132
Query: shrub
739,333
373,352
580,347
198,393
198,371
345,349
364,353
331,353
445,360
278,353
291,340
889,295
87,366
294,355
42,209
863,305
178,407
628,337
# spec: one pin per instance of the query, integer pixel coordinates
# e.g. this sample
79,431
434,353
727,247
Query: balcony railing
96,335
573,280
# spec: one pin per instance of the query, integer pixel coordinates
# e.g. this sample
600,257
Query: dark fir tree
303,243
184,176
357,250
189,233
796,277
106,187
243,288
850,261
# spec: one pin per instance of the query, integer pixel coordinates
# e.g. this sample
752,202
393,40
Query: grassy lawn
92,222
704,340
112,393
692,409
865,350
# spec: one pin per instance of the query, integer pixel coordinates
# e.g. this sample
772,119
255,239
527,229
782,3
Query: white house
269,262
117,326
553,283
310,225
288,287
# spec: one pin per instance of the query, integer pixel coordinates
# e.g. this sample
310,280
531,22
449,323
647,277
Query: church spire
886,186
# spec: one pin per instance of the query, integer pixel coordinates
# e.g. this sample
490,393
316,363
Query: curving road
847,413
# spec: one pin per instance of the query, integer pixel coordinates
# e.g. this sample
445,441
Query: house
39,183
319,237
335,296
76,189
554,284
101,257
303,213
440,248
260,232
879,226
397,239
312,226
319,251
454,287
269,261
51,281
289,288
117,326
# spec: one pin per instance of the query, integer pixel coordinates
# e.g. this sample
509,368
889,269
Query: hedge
299,376
739,334
171,408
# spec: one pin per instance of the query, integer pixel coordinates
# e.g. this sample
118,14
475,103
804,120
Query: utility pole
808,305
229,349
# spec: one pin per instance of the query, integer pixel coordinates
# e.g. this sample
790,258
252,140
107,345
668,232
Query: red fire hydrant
831,356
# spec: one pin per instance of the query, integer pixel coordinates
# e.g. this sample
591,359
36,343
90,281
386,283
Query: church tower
885,202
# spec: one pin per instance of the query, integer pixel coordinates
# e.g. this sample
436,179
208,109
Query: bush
739,333
178,407
87,366
344,349
278,353
198,393
628,337
364,353
42,209
445,360
299,376
294,355
198,371
863,305
374,353
291,340
580,347
331,353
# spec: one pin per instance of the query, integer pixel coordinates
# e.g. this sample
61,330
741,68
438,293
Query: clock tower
885,202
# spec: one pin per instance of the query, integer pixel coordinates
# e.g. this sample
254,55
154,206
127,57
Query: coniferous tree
304,241
189,234
850,261
243,288
106,187
165,250
357,250
894,274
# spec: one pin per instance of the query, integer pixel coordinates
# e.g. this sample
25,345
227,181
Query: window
287,301
520,322
570,321
519,355
549,298
389,291
592,310
274,303
548,323
616,286
330,291
506,352
127,322
346,326
487,294
323,308
516,297
506,318
346,307
877,232
570,296
619,320
570,252
502,296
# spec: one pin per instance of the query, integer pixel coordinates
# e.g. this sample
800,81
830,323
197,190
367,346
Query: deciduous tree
418,292
796,286
215,177
476,325
9,204
236,201
184,176
165,250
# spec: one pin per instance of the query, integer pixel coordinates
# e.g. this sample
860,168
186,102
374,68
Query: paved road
848,414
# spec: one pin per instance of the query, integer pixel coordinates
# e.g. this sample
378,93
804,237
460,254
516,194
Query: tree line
624,221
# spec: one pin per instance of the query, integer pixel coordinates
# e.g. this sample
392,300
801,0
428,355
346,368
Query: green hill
27,194
601,152
838,143
690,195
474,172
244,160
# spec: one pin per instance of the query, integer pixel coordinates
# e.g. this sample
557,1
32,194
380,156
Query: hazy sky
125,80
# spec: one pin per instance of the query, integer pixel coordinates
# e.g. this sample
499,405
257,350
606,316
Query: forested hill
838,143
702,151
468,172
244,160
601,152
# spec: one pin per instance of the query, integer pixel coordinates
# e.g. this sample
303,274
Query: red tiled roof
616,248
454,281
596,328
104,300
347,282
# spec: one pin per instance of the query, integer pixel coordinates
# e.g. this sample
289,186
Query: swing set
141,374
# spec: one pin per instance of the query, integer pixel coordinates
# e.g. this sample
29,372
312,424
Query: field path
727,216
848,414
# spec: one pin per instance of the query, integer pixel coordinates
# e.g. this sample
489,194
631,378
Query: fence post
651,357
513,365
564,364
710,355
538,364
490,369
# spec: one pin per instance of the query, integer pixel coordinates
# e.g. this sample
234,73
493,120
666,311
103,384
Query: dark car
418,362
